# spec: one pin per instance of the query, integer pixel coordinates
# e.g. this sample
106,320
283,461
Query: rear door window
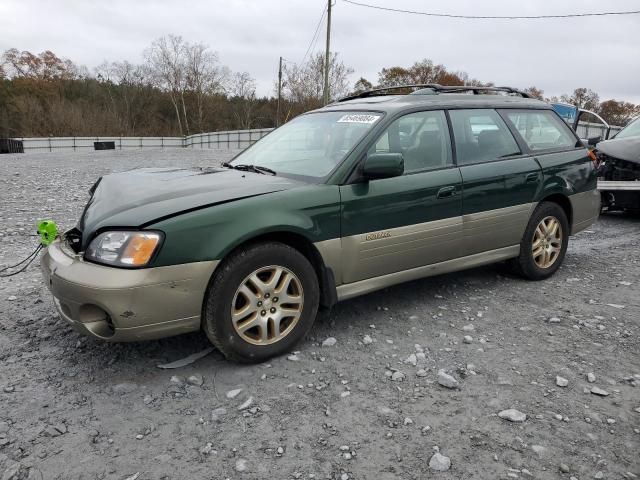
481,136
541,129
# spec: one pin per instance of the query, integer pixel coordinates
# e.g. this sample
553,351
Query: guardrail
227,140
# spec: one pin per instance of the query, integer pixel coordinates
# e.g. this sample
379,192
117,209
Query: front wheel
262,300
544,243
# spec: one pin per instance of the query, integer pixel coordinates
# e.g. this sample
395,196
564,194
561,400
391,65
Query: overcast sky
601,53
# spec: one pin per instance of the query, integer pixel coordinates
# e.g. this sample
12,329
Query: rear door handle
446,192
532,177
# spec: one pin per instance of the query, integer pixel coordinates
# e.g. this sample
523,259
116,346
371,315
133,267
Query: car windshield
310,145
631,130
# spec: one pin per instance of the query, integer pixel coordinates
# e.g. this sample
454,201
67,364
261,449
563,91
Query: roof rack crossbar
437,88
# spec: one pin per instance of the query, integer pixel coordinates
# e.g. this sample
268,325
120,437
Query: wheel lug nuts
273,310
259,304
263,313
275,299
266,295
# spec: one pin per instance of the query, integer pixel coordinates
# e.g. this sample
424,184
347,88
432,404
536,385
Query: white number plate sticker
358,118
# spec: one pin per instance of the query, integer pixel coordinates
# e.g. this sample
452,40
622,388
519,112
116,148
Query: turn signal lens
139,249
593,158
124,248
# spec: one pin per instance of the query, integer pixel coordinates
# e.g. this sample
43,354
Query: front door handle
532,177
446,192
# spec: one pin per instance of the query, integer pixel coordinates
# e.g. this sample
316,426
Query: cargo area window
481,136
422,138
541,129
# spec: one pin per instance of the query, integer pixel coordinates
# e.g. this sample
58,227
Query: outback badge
377,236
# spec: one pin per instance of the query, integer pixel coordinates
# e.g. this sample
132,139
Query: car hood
623,148
140,197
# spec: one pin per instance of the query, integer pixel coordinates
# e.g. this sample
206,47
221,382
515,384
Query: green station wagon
371,191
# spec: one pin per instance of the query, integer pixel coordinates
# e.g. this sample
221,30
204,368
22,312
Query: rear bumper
121,305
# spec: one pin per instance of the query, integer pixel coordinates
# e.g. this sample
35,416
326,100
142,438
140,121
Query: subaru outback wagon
371,191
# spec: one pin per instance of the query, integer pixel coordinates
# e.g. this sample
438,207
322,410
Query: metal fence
228,140
590,130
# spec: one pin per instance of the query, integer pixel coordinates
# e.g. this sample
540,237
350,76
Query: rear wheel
261,302
544,243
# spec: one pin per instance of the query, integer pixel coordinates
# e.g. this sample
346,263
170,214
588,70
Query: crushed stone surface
77,408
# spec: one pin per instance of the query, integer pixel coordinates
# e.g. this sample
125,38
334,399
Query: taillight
593,158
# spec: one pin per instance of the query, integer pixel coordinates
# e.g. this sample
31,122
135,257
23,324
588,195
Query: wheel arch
299,242
564,203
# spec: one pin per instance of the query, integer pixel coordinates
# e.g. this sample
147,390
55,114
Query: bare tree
166,60
126,85
190,73
243,97
204,77
304,84
535,92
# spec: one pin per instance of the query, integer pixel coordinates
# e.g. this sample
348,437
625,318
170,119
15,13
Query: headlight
123,249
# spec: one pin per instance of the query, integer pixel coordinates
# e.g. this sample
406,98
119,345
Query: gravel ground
545,376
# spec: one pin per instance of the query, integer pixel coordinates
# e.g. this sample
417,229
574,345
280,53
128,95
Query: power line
314,39
492,17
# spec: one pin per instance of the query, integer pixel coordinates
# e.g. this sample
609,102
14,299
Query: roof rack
435,89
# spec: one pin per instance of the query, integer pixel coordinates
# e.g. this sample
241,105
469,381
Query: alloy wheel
547,242
267,305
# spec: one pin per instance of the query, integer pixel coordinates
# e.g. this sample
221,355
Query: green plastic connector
48,231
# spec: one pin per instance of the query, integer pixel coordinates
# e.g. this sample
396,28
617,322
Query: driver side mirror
383,165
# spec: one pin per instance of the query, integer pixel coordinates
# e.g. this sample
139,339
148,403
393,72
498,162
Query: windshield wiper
250,168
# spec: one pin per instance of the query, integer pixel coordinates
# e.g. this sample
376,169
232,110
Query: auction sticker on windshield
358,118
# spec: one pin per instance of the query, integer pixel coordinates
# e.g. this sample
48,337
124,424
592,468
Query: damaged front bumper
120,305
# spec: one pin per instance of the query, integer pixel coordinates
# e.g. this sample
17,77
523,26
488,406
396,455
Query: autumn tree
44,66
182,87
424,72
582,98
362,85
394,76
618,112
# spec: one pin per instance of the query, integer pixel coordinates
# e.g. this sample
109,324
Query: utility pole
279,93
326,56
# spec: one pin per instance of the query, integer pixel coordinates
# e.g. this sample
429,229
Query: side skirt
361,287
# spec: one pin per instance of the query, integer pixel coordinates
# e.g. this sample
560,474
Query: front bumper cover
118,305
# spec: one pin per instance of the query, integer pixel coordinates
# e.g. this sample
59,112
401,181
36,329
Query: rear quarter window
541,129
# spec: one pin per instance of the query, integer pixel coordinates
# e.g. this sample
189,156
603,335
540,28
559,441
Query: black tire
231,274
525,264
